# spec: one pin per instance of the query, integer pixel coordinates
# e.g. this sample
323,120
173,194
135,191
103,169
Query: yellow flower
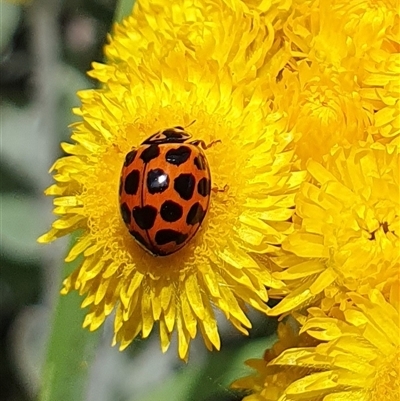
251,165
273,7
347,229
382,91
268,383
323,109
227,31
359,359
342,34
341,82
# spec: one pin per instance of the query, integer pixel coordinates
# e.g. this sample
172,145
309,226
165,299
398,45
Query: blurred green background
46,48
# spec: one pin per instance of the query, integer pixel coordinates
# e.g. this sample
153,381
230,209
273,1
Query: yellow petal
111,269
238,259
166,295
210,326
193,293
189,319
165,337
211,282
323,280
101,291
306,245
313,385
169,315
301,270
183,338
147,316
294,300
81,244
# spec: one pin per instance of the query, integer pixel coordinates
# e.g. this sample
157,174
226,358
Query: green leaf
9,17
177,387
70,350
225,366
21,224
211,379
124,8
16,122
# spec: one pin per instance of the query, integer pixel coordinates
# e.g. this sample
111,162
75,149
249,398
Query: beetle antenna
190,124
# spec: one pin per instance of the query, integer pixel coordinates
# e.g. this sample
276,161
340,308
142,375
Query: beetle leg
216,189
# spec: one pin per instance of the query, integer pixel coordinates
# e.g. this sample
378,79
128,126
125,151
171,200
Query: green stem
70,349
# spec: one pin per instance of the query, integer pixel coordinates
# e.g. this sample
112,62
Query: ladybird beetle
165,191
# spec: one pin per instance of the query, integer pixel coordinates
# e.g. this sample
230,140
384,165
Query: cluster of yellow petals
347,228
340,91
356,358
268,383
343,100
341,83
233,33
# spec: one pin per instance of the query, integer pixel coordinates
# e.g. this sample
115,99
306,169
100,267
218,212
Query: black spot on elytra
204,187
150,153
200,162
138,237
164,236
130,157
196,214
144,216
184,184
178,156
125,213
171,211
157,181
132,182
